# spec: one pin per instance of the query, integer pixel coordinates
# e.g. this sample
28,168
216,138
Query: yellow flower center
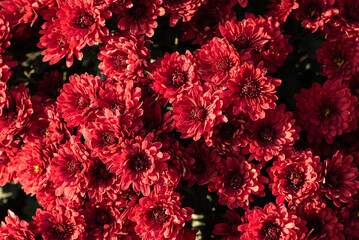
339,61
326,112
36,168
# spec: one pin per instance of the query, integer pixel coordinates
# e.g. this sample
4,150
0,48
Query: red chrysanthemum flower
68,168
159,216
61,223
5,34
229,230
322,222
218,62
103,220
204,24
272,136
326,111
56,46
314,14
251,92
175,75
16,113
184,9
50,85
6,172
237,181
140,163
272,222
78,99
350,219
3,97
339,58
295,178
187,234
82,22
32,166
5,64
124,57
347,21
281,9
196,114
141,17
13,228
340,181
19,11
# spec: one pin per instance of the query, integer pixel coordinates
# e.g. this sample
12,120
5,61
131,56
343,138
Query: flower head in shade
229,230
13,228
196,114
159,216
347,21
124,57
326,111
272,136
339,58
340,181
237,181
141,17
77,100
50,85
281,9
6,172
295,178
251,91
82,22
61,222
140,163
350,218
315,14
184,9
218,62
175,75
272,222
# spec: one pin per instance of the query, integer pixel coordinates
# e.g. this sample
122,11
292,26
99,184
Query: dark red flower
339,58
295,178
314,14
272,222
175,75
350,218
124,57
218,61
6,172
184,9
50,85
326,111
251,92
141,17
196,114
13,228
204,24
82,22
272,136
347,21
237,181
61,223
140,163
229,230
78,99
159,216
281,9
340,181
20,11
5,64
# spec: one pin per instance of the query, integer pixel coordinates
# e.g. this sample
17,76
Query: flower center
62,231
138,162
198,113
224,64
102,217
295,179
250,89
73,167
178,78
36,168
266,134
236,181
138,11
108,138
272,232
84,20
81,102
339,61
120,61
159,215
102,172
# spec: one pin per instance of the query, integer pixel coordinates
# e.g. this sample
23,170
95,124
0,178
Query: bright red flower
251,92
20,11
5,64
5,34
141,17
229,230
61,223
82,22
204,24
140,163
6,172
272,136
340,181
78,99
196,114
159,216
326,111
184,9
124,57
272,222
2,96
13,228
175,75
340,58
281,9
314,14
237,181
295,178
218,62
